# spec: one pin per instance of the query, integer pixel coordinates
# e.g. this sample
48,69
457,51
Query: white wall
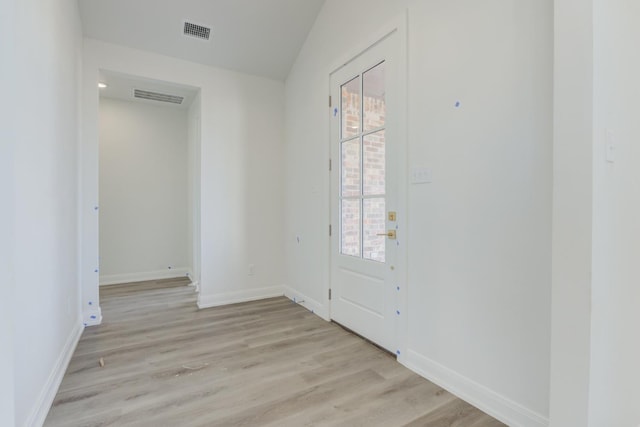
7,277
193,158
595,345
615,344
572,213
7,194
7,314
143,191
241,173
44,184
479,253
479,262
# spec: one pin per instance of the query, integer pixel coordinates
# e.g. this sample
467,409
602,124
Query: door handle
391,234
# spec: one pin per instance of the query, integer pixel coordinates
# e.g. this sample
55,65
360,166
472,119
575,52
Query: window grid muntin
361,134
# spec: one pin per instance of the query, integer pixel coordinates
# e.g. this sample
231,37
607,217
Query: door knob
391,234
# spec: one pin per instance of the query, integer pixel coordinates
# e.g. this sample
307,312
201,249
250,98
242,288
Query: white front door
364,149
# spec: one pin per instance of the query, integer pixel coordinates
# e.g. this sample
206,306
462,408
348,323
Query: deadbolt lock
392,216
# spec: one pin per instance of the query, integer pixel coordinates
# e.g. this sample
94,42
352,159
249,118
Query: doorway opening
148,180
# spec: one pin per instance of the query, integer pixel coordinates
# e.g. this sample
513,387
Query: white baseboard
45,399
494,404
115,279
309,303
215,300
92,316
195,284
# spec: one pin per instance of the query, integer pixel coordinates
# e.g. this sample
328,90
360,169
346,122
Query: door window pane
362,163
375,107
373,152
350,94
350,157
373,223
350,233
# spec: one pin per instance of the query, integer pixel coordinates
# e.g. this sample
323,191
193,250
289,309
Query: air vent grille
155,96
197,31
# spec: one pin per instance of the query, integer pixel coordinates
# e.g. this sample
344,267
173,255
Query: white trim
494,404
310,304
402,197
116,279
215,300
195,284
399,23
92,316
48,393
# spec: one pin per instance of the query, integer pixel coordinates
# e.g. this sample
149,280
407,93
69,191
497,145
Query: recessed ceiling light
102,85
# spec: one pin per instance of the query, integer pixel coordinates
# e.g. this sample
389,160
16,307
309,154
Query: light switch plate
421,175
611,153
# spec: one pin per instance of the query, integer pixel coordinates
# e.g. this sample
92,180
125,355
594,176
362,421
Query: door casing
400,26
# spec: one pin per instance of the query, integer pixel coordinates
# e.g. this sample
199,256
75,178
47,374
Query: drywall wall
594,351
479,263
7,194
143,191
615,348
7,277
193,203
241,179
572,207
7,315
46,320
479,251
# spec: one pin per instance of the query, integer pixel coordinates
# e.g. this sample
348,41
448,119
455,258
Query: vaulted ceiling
259,37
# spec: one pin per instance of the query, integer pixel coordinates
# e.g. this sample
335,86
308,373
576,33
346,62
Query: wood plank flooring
263,363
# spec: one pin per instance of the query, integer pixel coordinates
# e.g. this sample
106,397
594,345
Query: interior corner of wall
224,298
310,304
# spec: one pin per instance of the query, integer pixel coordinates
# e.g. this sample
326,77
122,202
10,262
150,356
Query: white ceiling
121,86
260,37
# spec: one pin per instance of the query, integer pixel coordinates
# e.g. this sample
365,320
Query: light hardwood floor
263,363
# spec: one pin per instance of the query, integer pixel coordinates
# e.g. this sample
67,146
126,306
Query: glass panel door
362,165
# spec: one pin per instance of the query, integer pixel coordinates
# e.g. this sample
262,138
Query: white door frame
88,172
399,25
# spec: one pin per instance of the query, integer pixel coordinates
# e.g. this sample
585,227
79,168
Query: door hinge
329,229
330,101
329,165
329,294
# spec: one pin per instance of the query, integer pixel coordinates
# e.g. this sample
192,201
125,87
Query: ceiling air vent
197,31
155,96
